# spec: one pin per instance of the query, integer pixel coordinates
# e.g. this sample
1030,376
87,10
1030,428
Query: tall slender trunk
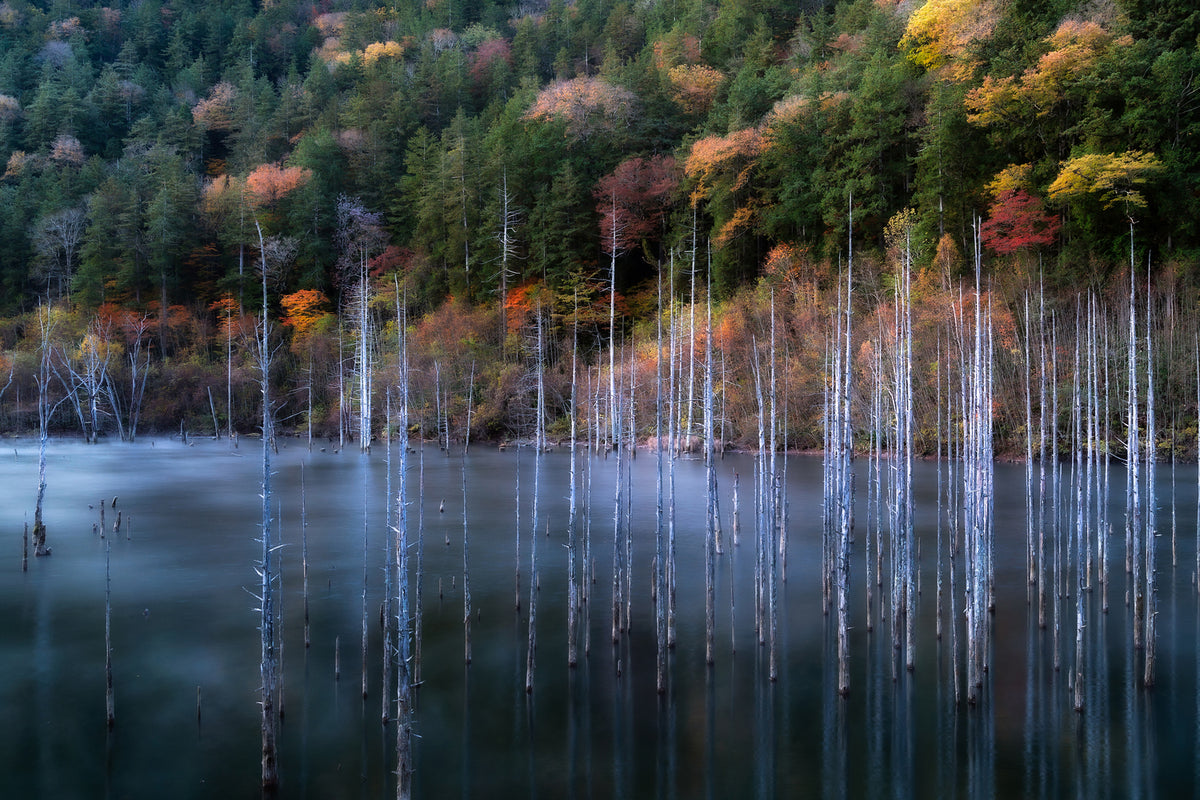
385,617
539,446
228,371
268,667
404,641
1030,556
466,570
572,577
364,356
365,573
1078,422
1042,523
1133,503
110,707
710,516
771,528
304,556
1151,591
46,323
840,489
672,428
660,567
977,489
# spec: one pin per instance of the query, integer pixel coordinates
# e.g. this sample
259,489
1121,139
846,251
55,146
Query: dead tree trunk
110,708
44,373
268,666
466,571
1151,591
660,567
404,674
304,556
539,445
572,587
710,528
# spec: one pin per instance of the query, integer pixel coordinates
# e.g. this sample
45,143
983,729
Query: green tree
169,224
951,160
563,243
461,201
871,154
103,247
420,210
15,256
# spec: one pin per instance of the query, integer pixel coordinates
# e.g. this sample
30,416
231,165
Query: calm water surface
184,625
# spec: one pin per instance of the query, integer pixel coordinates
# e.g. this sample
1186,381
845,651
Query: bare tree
360,235
12,365
408,635
83,373
269,662
138,353
44,374
510,218
56,241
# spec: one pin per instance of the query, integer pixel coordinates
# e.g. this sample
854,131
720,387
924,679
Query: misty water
185,629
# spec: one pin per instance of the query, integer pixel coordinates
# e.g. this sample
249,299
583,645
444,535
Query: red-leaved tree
1017,221
492,57
633,200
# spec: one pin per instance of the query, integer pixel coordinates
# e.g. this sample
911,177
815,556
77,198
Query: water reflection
589,732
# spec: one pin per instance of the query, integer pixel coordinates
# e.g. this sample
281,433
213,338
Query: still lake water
184,622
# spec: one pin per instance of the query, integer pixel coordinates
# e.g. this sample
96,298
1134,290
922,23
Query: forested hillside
472,165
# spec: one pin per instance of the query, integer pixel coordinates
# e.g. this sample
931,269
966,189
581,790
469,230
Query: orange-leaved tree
270,183
720,168
302,310
1040,109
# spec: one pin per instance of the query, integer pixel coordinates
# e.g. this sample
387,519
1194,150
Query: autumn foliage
216,111
633,200
725,164
490,55
229,316
695,86
270,183
717,156
1017,221
521,303
1111,177
303,309
587,105
569,145
379,51
940,34
393,259
1041,90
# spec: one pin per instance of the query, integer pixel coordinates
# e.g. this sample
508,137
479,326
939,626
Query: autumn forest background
470,167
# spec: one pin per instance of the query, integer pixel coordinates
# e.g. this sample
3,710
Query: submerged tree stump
39,539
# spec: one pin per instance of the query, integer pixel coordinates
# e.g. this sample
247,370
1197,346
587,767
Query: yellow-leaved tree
939,34
1110,178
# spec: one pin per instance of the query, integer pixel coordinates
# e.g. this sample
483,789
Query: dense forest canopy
502,155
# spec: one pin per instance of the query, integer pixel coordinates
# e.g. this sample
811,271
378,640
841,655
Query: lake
186,642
